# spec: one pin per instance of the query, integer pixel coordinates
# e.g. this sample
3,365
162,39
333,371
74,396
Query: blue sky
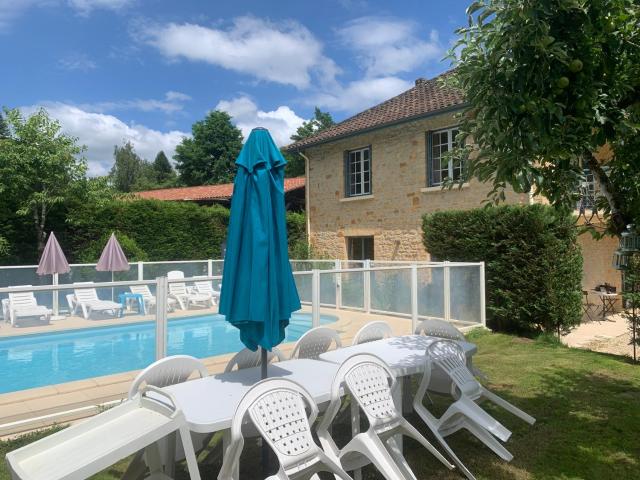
145,70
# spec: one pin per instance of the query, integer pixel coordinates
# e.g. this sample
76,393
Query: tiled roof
209,192
427,96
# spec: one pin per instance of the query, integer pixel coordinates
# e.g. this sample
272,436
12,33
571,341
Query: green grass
587,407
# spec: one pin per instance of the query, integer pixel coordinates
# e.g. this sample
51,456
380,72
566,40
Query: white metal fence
404,290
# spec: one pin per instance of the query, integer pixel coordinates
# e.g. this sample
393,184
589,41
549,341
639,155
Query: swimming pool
38,360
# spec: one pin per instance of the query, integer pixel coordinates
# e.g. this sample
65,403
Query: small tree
209,156
39,167
548,85
128,168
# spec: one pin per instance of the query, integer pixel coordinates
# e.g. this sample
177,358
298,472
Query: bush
297,235
532,259
160,230
93,250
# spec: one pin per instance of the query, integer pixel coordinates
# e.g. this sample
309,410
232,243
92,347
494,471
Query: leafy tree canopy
129,170
319,122
548,85
4,128
208,157
39,167
162,168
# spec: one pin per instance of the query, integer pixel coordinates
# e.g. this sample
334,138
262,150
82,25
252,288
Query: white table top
209,403
405,355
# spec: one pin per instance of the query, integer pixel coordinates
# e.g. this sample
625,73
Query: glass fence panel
303,284
431,292
328,289
190,269
465,294
352,289
391,290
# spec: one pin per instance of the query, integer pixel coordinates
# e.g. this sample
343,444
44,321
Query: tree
39,167
295,162
550,87
209,156
162,168
320,121
4,128
130,172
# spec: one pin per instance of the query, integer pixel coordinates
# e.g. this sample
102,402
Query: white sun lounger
180,292
87,299
24,304
87,448
149,299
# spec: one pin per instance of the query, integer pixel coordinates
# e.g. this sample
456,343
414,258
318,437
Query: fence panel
431,292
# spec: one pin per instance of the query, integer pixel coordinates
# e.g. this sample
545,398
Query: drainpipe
306,196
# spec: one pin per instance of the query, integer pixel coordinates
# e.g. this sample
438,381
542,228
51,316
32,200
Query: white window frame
431,158
351,187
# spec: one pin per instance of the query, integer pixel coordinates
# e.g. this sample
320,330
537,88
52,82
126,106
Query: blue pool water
30,361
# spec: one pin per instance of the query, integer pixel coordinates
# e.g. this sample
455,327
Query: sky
144,71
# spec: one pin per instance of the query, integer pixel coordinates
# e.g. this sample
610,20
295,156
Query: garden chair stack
370,382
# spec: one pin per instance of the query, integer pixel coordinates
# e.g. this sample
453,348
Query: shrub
161,230
297,235
532,259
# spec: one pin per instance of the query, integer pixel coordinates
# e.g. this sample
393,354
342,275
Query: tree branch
618,221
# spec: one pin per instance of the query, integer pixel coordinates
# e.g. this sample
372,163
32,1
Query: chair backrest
84,295
168,371
245,358
373,331
438,328
276,407
22,299
370,381
316,342
141,290
176,288
449,357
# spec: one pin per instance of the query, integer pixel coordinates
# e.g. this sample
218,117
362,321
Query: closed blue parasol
258,290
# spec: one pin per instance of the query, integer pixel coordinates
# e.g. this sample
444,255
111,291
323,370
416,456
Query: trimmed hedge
532,259
162,230
157,231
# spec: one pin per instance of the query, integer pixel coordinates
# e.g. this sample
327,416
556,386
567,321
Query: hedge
155,230
532,259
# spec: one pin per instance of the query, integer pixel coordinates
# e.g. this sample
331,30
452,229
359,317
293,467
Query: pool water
38,360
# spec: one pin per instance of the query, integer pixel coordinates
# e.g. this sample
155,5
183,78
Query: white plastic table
405,355
209,403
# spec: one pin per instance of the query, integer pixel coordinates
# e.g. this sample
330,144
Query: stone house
371,177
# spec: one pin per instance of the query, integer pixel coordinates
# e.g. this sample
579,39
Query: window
360,248
358,172
441,166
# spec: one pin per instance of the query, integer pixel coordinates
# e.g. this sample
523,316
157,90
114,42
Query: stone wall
393,213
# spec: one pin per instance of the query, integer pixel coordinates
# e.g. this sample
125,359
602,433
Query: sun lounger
87,299
184,297
149,299
23,305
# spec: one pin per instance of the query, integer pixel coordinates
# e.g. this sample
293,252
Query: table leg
355,429
226,441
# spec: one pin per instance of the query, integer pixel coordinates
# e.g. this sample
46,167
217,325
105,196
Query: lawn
587,407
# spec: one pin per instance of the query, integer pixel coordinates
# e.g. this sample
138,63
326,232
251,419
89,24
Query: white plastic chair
205,287
370,382
448,356
180,292
432,327
24,304
86,448
245,358
276,407
315,342
148,298
87,299
373,331
162,373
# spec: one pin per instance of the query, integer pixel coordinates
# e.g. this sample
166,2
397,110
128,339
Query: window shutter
428,159
370,169
346,173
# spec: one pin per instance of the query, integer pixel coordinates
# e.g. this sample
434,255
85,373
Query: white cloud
77,61
285,53
387,46
12,9
360,94
84,7
101,132
173,102
281,122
